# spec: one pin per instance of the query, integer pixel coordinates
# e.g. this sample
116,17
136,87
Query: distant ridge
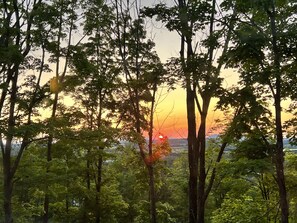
177,143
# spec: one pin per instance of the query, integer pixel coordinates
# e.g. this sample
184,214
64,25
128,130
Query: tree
16,108
67,181
133,185
178,188
290,168
94,65
263,52
247,185
201,79
61,27
142,73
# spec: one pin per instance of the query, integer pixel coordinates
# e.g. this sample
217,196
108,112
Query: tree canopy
79,92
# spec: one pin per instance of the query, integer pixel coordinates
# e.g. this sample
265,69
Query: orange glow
161,149
171,115
54,85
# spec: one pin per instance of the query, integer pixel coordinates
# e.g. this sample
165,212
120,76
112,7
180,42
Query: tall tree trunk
88,182
202,173
59,78
279,154
49,159
7,148
46,197
13,19
7,161
88,185
192,155
135,100
193,148
10,165
8,185
279,158
150,165
153,211
98,186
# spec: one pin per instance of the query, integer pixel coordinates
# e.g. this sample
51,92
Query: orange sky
170,118
170,114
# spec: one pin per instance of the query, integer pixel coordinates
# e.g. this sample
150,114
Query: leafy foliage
91,158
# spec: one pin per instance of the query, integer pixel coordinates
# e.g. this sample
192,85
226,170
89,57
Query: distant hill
178,145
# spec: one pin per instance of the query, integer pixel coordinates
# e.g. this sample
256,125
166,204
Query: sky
170,115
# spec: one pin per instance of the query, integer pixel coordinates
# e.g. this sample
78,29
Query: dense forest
100,158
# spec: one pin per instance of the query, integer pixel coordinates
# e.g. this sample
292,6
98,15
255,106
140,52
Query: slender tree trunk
202,172
279,154
7,161
150,165
88,182
88,174
46,208
136,104
67,203
6,151
193,148
279,158
13,17
49,159
53,116
8,185
153,211
98,187
46,197
192,155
